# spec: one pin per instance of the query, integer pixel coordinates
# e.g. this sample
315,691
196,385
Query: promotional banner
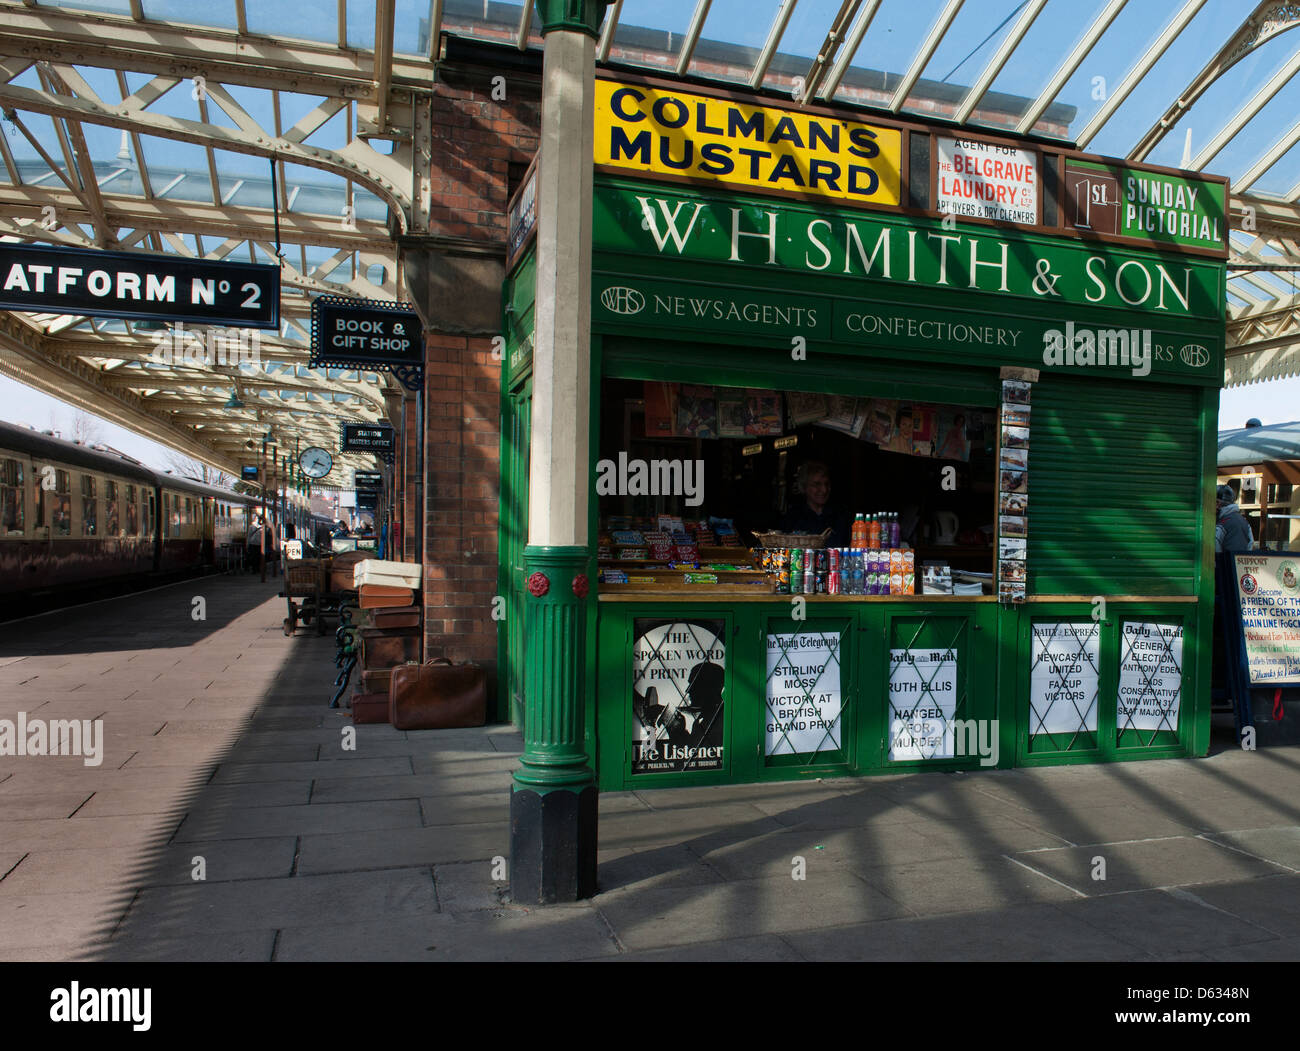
987,180
678,678
1063,677
804,702
1268,592
923,700
1150,677
658,131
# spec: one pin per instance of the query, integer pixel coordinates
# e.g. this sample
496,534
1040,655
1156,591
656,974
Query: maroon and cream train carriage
71,516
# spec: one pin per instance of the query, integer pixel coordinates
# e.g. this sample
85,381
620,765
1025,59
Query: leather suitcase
396,617
382,648
438,695
370,707
377,681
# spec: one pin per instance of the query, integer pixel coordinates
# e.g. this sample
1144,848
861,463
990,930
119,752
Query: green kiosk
1004,355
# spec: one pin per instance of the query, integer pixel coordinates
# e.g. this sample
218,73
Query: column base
552,845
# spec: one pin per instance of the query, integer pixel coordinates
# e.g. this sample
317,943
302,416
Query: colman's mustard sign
660,131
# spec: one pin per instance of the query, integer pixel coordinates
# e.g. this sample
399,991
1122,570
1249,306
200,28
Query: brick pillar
462,476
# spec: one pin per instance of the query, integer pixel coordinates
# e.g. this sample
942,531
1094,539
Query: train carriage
72,516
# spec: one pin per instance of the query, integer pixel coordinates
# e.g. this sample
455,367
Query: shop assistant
814,513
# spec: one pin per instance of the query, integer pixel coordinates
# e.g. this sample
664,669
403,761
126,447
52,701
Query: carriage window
189,512
132,513
111,521
150,510
172,509
12,496
89,507
61,502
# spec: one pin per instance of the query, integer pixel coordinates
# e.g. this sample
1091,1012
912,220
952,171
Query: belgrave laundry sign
666,132
138,285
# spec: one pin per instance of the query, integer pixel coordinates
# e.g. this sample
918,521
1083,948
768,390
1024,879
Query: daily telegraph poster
679,675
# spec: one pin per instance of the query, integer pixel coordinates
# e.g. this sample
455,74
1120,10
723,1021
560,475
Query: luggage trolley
303,581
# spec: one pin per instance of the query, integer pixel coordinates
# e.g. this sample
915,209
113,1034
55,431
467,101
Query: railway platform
224,818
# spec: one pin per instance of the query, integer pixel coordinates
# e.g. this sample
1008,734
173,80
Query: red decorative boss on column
538,585
580,585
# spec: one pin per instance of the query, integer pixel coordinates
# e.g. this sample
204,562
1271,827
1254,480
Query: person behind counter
815,513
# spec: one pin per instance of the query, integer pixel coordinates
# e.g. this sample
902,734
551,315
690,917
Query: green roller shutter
1114,488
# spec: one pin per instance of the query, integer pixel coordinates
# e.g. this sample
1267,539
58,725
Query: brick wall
479,147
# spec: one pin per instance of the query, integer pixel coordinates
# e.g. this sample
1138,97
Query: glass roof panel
1212,111
1114,54
177,169
361,24
1054,34
1181,61
112,7
650,32
1280,179
411,28
319,23
891,43
734,33
486,19
218,13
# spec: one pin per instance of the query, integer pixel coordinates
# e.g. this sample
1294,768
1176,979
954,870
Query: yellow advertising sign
662,131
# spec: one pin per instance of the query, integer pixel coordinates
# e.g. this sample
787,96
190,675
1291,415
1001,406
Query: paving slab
510,934
52,805
763,948
125,870
670,866
657,918
487,808
402,848
115,800
1147,864
1022,932
246,773
311,818
387,898
1271,904
1279,845
1157,921
237,947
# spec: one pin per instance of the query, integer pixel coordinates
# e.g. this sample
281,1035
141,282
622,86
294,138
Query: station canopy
178,127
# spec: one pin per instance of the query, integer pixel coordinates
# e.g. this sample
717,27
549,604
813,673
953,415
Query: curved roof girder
383,175
1269,18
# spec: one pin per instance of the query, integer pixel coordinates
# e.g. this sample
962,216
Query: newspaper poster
923,704
678,676
1063,677
804,702
1150,676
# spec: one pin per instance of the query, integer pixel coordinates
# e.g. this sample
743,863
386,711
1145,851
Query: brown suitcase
370,707
438,695
396,617
382,648
377,681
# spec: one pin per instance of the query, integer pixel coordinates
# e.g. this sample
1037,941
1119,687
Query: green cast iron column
553,800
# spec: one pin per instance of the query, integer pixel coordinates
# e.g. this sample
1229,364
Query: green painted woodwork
1115,480
736,233
555,672
1121,472
581,16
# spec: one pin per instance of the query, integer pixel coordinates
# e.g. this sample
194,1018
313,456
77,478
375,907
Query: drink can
833,558
809,578
832,581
